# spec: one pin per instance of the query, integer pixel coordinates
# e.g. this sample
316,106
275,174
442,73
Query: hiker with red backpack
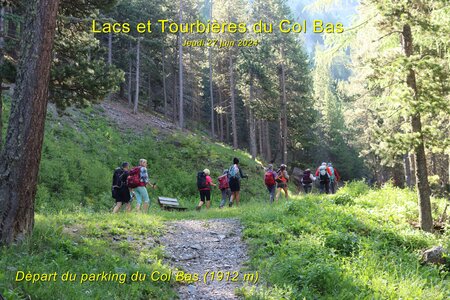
138,179
224,187
269,181
282,181
204,184
324,174
307,181
334,178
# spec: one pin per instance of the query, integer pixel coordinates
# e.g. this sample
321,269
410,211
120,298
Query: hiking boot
230,204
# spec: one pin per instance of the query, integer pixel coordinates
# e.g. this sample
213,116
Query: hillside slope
82,149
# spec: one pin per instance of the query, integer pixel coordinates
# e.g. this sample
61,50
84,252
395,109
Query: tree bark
267,140
164,80
138,57
130,70
252,125
283,113
221,116
412,166
407,168
211,80
109,59
260,138
110,49
227,127
180,71
22,151
149,101
2,46
422,184
233,103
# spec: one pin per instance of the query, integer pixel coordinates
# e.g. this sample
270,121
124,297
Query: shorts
122,195
281,185
141,194
205,195
235,185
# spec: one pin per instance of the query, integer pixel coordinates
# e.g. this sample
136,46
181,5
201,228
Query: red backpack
223,182
268,179
134,178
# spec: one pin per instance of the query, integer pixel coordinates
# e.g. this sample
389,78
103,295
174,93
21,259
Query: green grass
84,244
357,244
79,157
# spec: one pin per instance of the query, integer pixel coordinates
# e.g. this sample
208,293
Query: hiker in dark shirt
120,189
307,181
235,174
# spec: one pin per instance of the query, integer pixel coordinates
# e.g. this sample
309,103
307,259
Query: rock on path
199,246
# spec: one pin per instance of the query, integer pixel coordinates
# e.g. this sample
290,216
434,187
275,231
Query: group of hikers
128,184
326,174
131,183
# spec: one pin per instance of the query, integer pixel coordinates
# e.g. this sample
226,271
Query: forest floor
121,114
204,246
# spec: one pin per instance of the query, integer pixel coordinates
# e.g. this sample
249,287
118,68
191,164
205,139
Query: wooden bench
170,204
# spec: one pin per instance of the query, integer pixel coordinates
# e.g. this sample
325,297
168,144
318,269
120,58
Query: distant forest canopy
296,98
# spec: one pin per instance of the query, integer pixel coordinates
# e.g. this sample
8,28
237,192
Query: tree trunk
267,140
164,80
412,166
260,138
138,56
283,113
22,151
233,107
398,175
447,188
211,79
180,71
109,59
221,116
227,127
130,70
407,168
2,47
423,188
149,101
252,125
110,49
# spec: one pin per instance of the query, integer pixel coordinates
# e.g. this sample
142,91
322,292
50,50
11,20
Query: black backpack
116,181
306,177
201,180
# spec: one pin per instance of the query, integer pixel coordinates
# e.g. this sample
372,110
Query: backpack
223,182
323,174
269,179
134,178
201,180
116,181
332,173
306,179
233,172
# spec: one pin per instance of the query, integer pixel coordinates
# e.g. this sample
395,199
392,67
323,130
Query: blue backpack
332,173
233,172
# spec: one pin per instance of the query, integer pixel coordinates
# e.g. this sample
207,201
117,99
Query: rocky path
201,246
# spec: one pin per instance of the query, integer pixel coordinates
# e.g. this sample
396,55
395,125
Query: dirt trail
200,246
